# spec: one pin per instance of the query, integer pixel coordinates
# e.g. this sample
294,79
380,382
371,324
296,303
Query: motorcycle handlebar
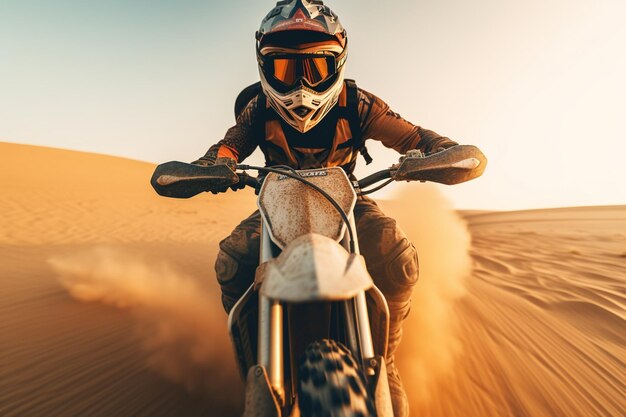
455,165
385,174
248,180
365,182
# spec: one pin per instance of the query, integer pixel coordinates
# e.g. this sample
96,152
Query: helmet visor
289,68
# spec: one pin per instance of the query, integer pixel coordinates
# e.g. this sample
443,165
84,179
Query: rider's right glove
231,163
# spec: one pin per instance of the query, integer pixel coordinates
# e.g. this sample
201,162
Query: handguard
180,180
455,165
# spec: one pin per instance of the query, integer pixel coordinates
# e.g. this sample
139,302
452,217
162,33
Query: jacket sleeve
240,140
379,122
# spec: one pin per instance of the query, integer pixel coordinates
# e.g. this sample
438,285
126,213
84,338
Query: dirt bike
302,332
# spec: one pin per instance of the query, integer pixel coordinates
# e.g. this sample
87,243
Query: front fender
314,268
260,400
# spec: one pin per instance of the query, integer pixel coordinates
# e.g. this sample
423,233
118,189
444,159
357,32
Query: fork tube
276,349
362,316
264,305
266,244
264,332
351,330
270,341
365,332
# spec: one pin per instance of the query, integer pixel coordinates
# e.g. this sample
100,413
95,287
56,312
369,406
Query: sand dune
108,305
99,217
542,325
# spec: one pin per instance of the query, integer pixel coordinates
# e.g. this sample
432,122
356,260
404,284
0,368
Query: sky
538,85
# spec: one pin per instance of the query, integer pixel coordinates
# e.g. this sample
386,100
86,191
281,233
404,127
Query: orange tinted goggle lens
285,70
313,69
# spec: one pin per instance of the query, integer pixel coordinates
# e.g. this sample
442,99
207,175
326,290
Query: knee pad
403,265
391,259
226,267
237,260
238,256
234,278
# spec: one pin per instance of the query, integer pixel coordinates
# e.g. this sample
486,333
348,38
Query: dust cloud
183,334
430,342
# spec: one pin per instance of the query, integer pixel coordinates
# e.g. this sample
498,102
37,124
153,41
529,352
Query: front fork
270,337
362,321
270,343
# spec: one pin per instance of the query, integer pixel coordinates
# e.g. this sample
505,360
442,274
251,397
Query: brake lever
410,154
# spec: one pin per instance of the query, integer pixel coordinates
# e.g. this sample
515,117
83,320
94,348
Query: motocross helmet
301,51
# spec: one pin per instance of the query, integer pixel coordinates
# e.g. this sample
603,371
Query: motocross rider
306,115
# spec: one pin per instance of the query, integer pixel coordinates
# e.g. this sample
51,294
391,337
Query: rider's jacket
333,142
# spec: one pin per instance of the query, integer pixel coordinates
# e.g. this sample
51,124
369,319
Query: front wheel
331,383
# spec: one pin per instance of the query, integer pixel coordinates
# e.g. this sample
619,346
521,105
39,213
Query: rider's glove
232,164
440,148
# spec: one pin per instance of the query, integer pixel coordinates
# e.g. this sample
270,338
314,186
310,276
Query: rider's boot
400,402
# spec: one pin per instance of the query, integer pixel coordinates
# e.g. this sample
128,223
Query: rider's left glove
441,148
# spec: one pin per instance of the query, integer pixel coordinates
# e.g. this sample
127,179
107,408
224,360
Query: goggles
288,69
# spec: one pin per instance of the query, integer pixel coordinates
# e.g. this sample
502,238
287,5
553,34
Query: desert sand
109,306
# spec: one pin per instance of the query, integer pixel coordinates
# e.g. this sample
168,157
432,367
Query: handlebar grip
374,178
249,181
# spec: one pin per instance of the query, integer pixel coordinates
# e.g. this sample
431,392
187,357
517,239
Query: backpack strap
246,95
263,113
354,120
